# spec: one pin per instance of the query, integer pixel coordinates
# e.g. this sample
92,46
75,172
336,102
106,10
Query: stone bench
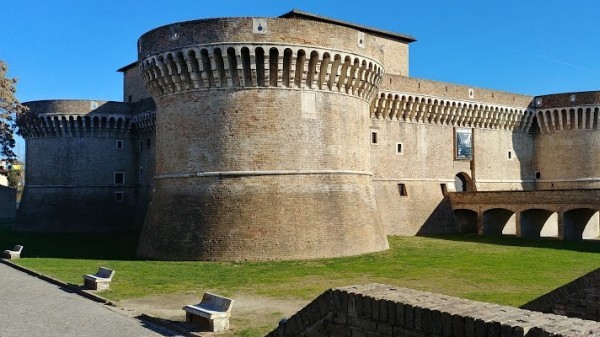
211,314
100,280
15,253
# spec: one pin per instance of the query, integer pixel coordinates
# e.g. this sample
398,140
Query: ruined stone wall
381,310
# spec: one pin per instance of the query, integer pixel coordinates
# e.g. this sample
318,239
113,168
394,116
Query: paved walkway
33,307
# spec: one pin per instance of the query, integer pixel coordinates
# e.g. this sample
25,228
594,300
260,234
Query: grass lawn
503,270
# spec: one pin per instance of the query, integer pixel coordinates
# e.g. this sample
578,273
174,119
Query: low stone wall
8,204
383,310
579,298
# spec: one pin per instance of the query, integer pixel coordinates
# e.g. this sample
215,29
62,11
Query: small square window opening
119,143
119,178
374,137
118,196
402,190
399,148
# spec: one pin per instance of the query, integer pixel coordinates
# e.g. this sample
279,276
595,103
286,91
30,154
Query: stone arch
207,73
536,223
103,126
464,183
581,224
361,75
353,81
184,71
395,107
466,220
312,69
246,67
300,60
499,221
111,126
233,67
288,55
259,59
322,79
369,78
344,73
220,65
333,75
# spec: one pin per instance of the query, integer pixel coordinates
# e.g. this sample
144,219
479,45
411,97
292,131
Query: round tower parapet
80,174
568,140
262,140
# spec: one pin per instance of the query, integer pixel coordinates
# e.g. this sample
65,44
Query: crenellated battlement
77,118
415,108
218,66
568,118
54,125
85,118
145,123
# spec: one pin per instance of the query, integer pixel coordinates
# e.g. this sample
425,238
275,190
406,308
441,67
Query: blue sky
71,49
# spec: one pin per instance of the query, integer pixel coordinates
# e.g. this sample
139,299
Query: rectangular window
141,146
538,175
148,143
463,144
509,154
119,143
399,148
402,190
374,137
141,173
130,99
119,196
119,178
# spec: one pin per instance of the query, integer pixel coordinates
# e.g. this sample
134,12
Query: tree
14,178
10,110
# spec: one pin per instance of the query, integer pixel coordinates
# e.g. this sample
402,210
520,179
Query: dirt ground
251,315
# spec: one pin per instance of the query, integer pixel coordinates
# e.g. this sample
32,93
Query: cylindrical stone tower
568,141
80,172
262,140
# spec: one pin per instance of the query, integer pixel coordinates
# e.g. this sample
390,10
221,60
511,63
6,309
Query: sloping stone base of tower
91,209
268,217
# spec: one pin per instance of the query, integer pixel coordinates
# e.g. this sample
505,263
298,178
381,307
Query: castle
288,138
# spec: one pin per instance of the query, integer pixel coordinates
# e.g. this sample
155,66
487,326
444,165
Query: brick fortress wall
261,145
72,157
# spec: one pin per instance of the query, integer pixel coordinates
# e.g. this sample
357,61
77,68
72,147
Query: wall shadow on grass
94,246
510,240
